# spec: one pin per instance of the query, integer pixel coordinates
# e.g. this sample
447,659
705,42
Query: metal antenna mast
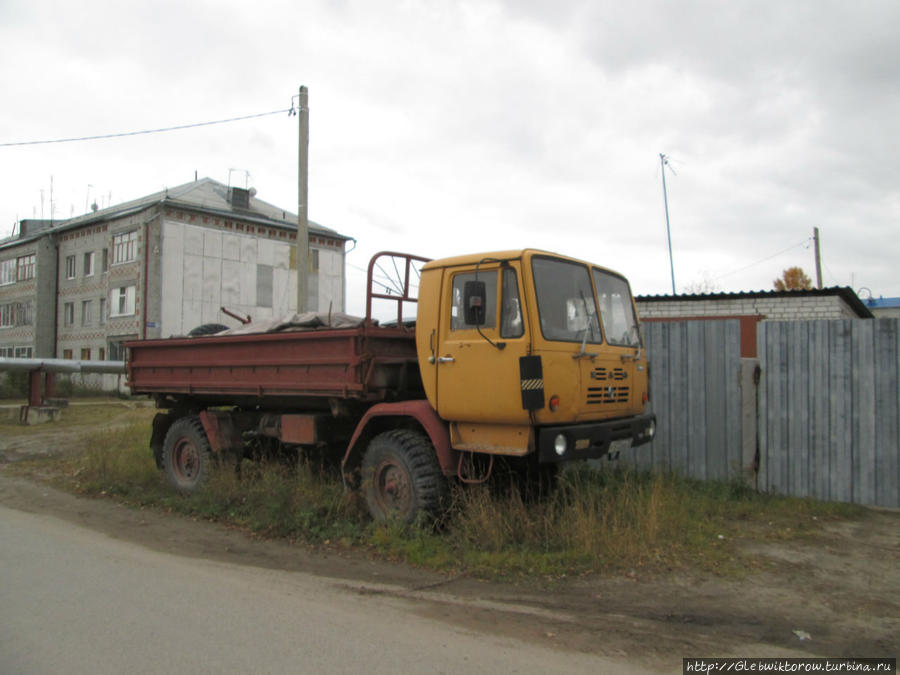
663,162
818,258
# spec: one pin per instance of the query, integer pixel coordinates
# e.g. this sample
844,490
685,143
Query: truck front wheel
402,478
186,455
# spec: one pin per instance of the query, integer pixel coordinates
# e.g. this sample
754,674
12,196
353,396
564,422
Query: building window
313,260
23,353
86,318
104,260
7,272
16,314
117,348
89,264
25,267
7,352
101,319
101,353
67,353
7,315
69,313
25,314
86,354
70,267
124,247
121,301
264,279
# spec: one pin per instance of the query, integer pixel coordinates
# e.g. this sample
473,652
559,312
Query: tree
702,286
793,279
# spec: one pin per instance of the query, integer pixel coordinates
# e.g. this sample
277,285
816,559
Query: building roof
882,303
845,293
205,194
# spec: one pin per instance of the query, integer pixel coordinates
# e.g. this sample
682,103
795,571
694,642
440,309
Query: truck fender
377,420
221,431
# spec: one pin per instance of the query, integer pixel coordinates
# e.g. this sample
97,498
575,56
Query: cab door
478,366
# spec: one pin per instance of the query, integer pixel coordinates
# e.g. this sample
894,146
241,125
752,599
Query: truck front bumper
591,440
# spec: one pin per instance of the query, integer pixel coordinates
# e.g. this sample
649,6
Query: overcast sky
463,126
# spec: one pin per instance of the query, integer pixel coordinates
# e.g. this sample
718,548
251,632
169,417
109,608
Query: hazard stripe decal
531,375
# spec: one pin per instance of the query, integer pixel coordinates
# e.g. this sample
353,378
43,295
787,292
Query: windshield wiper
590,327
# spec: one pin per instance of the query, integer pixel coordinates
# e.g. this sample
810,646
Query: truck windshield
568,308
566,303
616,309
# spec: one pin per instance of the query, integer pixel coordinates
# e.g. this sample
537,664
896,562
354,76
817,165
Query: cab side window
457,310
511,325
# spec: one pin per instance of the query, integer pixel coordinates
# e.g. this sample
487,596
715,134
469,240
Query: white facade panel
192,311
266,252
212,244
172,281
211,312
331,281
248,285
204,270
249,253
231,247
212,280
281,255
193,240
284,298
193,277
231,284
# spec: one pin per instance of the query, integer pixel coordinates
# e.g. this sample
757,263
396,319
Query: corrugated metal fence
824,415
695,389
830,396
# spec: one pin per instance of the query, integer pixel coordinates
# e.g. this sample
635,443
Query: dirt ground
835,593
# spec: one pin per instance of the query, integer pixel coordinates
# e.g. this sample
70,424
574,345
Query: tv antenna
663,163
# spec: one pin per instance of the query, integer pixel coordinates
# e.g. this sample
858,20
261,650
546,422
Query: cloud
460,126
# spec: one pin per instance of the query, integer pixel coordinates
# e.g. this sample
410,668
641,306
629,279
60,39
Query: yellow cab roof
475,258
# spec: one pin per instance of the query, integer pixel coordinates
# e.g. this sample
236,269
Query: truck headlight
559,444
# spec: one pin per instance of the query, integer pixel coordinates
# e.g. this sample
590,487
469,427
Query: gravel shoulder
834,593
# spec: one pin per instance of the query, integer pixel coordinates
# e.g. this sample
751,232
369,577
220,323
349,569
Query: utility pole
818,258
663,162
302,200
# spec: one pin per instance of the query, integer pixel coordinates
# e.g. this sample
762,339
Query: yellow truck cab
524,351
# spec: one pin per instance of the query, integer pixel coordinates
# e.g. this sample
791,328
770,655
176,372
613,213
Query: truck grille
603,374
607,395
614,390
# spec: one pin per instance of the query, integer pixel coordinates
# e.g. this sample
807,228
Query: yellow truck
526,355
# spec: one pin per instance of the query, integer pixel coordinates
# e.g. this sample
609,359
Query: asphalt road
76,601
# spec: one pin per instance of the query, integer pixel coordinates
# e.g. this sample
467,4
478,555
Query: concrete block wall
776,308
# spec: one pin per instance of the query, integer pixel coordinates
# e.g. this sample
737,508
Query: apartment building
155,267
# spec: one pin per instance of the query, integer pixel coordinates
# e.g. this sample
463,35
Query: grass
590,522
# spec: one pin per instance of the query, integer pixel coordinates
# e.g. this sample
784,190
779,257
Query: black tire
186,455
402,478
207,329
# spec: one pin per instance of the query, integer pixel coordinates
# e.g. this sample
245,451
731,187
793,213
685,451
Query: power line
147,131
805,243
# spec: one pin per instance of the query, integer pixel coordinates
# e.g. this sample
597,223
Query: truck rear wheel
186,455
402,478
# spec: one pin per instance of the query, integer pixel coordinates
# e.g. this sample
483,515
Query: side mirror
474,303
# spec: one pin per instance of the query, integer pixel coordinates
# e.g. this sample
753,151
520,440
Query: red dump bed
366,363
